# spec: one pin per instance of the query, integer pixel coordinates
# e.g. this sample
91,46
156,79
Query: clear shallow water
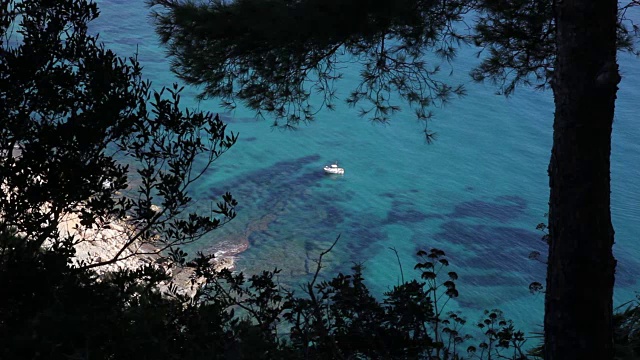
477,193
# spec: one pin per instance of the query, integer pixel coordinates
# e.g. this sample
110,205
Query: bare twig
399,263
316,307
315,276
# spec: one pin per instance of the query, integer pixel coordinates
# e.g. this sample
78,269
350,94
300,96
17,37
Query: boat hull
330,170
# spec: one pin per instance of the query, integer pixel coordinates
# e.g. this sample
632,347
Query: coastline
103,241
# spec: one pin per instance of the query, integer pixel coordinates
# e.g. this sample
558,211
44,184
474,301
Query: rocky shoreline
103,242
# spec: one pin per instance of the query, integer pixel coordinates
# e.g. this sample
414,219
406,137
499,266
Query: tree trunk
580,276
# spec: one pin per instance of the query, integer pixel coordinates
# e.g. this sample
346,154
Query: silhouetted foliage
340,319
83,137
274,55
50,310
517,39
626,335
124,316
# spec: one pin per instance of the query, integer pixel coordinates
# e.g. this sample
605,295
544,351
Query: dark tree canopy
518,42
83,136
273,55
517,39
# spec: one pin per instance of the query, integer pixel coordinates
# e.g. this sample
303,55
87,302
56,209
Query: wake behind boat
333,169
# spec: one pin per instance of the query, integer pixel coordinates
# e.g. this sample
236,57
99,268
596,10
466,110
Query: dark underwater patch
331,217
360,236
395,216
403,211
503,209
283,175
494,247
485,236
495,279
227,119
434,216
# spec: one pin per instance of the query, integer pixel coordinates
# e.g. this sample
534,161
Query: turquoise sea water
477,192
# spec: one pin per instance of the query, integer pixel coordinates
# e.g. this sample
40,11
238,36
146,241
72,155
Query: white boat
333,169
